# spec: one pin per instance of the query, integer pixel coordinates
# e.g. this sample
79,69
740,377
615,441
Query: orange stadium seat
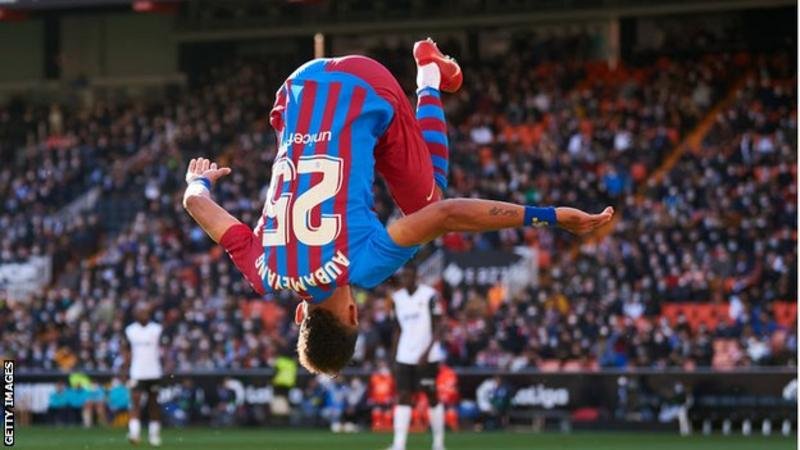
697,314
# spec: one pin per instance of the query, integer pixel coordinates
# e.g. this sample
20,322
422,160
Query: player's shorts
152,385
401,154
416,377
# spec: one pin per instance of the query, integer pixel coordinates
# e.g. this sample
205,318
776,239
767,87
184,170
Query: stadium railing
722,400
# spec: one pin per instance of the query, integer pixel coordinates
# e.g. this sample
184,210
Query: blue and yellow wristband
202,180
537,216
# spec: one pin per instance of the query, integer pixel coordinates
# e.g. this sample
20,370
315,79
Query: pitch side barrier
731,401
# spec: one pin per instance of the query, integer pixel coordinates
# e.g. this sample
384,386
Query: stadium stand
528,128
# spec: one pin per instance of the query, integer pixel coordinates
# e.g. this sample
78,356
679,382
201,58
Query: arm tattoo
498,211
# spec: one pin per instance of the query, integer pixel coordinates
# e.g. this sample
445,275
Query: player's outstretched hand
579,222
204,168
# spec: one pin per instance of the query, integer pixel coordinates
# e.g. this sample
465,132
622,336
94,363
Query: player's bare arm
197,201
437,335
125,350
474,215
243,246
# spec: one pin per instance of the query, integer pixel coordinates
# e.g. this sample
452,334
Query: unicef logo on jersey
307,138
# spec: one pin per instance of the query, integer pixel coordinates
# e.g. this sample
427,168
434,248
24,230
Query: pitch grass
50,438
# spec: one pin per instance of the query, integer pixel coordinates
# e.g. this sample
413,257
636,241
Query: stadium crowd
718,227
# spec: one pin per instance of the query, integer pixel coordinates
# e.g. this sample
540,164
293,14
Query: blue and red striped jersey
318,227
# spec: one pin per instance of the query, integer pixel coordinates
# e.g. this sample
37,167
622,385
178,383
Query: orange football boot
426,52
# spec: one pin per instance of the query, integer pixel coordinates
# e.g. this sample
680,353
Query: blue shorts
378,259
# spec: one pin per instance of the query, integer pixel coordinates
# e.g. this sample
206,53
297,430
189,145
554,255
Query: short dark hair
325,345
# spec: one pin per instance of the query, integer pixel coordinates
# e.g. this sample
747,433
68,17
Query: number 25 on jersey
285,206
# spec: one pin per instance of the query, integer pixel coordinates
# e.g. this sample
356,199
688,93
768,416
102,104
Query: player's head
328,332
408,277
141,313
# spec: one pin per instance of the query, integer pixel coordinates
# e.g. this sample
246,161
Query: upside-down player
337,121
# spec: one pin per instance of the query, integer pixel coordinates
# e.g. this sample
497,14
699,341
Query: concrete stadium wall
21,51
103,46
117,45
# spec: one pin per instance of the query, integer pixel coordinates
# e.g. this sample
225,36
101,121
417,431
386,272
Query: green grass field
46,438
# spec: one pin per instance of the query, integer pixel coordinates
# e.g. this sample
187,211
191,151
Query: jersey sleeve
244,248
278,108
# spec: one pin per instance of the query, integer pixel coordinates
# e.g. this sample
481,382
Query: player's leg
405,154
435,73
436,408
404,161
404,374
134,423
100,412
154,414
416,166
86,414
431,119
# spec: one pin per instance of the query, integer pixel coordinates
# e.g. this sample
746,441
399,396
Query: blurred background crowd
711,227
685,122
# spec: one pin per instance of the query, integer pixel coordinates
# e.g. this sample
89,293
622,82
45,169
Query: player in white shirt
418,312
144,357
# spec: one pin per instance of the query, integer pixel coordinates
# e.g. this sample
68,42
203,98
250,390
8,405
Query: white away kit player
144,356
418,313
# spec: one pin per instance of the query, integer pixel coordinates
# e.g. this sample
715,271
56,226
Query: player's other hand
204,168
579,222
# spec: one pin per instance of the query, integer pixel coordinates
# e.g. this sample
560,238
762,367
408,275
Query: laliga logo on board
541,395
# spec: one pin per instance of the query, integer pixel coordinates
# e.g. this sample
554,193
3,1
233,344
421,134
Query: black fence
610,398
